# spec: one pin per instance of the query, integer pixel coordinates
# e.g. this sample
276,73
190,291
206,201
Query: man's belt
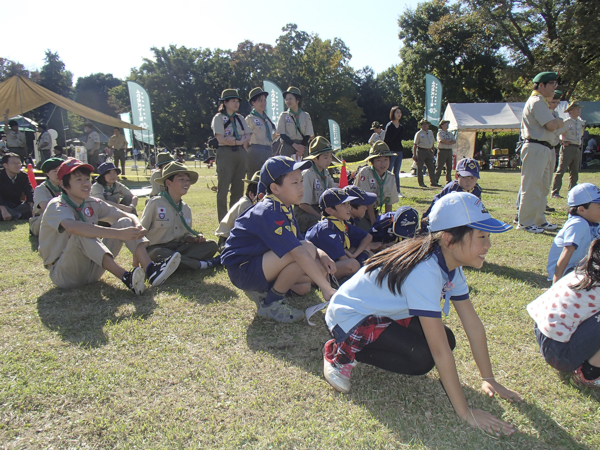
423,148
544,143
571,144
233,148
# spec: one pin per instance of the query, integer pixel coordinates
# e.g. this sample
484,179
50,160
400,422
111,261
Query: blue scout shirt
329,238
576,232
382,230
361,297
260,228
453,186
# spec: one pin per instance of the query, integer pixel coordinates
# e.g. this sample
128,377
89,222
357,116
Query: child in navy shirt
390,228
343,242
359,206
265,253
571,243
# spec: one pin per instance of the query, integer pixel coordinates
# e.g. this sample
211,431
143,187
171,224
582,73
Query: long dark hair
398,261
590,268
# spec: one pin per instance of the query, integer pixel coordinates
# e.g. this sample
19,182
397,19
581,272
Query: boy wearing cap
262,128
107,188
378,133
569,158
359,205
315,180
265,253
343,242
77,251
168,220
378,180
44,192
571,243
162,159
423,153
390,228
445,141
14,185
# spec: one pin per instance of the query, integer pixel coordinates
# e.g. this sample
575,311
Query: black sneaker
162,270
134,280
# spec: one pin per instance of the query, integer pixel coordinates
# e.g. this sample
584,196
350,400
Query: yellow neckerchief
340,225
287,211
540,95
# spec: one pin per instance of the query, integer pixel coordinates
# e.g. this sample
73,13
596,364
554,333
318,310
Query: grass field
190,365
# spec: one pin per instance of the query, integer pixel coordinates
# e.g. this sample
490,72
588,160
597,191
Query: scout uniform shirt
45,142
15,138
329,238
92,139
572,131
156,188
536,114
446,135
366,180
44,192
287,125
314,185
218,126
234,212
117,142
164,223
114,194
424,139
259,128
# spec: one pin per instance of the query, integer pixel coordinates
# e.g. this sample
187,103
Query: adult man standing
570,149
92,144
537,154
44,143
118,144
15,139
444,158
423,152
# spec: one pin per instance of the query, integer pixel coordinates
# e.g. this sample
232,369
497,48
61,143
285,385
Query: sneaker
531,229
209,264
549,226
337,376
161,270
400,195
256,297
557,196
548,209
134,280
280,312
579,379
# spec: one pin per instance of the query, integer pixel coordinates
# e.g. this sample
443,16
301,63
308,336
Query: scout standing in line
168,220
77,251
444,157
315,181
162,159
233,134
570,149
44,143
44,192
262,129
378,180
107,188
423,153
294,126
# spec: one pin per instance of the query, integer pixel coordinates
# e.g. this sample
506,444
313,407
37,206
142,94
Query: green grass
190,365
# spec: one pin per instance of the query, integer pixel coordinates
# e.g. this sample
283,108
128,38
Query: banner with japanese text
275,103
141,112
433,99
334,135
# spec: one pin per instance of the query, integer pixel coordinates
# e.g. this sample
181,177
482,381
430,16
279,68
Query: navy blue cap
276,166
405,222
105,167
333,197
468,167
362,197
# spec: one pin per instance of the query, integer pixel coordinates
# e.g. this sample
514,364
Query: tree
10,68
92,91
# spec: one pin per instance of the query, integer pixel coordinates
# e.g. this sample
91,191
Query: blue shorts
249,276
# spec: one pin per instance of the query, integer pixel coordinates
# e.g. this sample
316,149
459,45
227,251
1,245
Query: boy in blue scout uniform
571,243
316,179
77,251
45,192
343,242
265,253
168,220
359,205
390,228
467,171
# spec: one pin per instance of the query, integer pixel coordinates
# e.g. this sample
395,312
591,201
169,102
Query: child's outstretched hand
488,422
491,387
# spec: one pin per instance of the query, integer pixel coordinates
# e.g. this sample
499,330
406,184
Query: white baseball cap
583,193
461,208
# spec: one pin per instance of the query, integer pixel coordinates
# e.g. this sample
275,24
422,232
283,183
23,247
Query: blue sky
113,36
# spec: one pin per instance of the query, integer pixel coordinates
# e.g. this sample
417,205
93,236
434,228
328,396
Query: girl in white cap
389,315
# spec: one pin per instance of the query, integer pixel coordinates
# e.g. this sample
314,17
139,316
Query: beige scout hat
256,92
424,121
378,149
229,94
293,90
255,178
318,146
443,122
164,158
174,168
572,105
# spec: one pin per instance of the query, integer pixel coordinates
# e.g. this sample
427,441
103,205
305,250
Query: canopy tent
590,112
19,95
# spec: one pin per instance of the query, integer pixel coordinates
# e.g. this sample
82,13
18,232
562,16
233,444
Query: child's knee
354,266
123,222
302,288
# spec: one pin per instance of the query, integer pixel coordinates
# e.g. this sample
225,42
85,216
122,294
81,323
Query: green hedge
360,152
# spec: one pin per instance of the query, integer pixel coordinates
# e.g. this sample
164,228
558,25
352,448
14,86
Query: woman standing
393,138
294,126
262,129
233,135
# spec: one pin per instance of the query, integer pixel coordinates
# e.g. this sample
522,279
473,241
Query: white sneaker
400,195
164,269
338,377
549,226
531,229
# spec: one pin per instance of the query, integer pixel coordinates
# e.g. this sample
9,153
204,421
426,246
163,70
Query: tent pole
492,144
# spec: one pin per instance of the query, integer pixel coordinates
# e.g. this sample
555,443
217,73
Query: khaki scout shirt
446,135
220,120
424,139
156,188
536,114
259,130
42,193
572,131
163,223
314,185
117,142
15,139
287,125
236,211
92,139
365,179
103,193
53,238
45,142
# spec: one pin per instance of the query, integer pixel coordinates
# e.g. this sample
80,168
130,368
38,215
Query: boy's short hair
252,188
66,178
278,181
574,210
9,155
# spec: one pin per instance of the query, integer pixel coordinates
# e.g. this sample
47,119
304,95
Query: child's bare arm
563,261
364,244
90,230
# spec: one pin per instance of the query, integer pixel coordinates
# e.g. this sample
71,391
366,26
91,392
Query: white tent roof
484,116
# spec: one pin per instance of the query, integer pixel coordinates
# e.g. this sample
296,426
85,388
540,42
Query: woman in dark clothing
393,138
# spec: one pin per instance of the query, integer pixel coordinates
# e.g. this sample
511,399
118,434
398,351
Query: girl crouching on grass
389,314
567,323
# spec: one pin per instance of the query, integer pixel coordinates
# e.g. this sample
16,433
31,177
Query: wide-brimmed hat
292,90
50,164
378,149
318,146
70,165
376,125
228,94
572,105
443,122
256,92
424,121
173,168
106,167
544,77
164,158
255,178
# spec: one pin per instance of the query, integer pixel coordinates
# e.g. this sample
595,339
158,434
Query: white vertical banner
126,117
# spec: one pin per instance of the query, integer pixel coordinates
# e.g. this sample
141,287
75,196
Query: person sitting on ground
14,185
378,133
77,251
467,171
44,192
571,243
107,188
168,220
359,205
391,228
162,159
316,179
59,152
343,242
238,209
265,253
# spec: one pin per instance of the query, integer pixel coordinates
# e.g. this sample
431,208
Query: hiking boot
280,312
134,280
256,297
579,379
161,270
531,229
338,376
549,226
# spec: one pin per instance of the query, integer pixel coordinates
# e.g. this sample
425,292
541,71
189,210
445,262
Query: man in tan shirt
15,139
444,157
118,145
570,150
423,153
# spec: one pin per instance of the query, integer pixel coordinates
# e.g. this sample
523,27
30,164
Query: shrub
360,152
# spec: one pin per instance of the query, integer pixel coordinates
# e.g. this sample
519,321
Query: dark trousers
22,211
119,157
190,253
444,158
425,157
231,170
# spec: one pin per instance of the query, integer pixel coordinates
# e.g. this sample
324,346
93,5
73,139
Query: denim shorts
249,275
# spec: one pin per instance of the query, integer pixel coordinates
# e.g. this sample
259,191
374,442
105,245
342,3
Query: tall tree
92,91
10,68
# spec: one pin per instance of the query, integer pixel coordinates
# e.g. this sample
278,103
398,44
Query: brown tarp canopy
20,95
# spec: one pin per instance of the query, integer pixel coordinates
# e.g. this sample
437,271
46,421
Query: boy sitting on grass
116,194
168,220
162,159
45,192
265,253
77,251
359,205
391,228
343,242
571,243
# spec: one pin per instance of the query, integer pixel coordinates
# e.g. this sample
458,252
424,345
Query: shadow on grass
10,225
34,242
517,274
197,286
79,315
